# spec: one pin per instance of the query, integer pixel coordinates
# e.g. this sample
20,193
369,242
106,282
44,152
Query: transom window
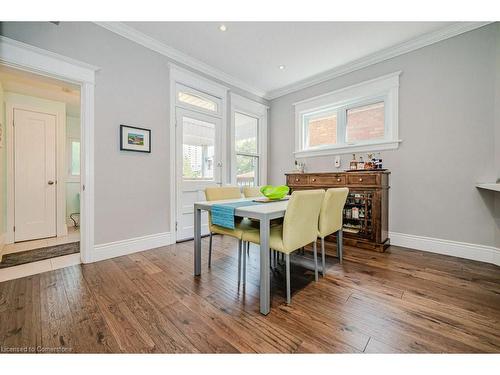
197,100
359,118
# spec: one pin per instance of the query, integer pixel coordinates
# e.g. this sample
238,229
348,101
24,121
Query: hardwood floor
398,301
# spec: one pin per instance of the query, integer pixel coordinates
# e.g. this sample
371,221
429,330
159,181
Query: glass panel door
198,165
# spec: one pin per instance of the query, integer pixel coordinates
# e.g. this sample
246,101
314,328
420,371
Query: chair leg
210,251
323,256
239,261
245,246
340,245
315,250
287,267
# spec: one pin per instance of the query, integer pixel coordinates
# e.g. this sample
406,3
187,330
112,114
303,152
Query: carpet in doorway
35,255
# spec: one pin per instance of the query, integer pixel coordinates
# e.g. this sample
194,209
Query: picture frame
135,139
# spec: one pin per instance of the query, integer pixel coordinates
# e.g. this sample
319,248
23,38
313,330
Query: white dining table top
270,210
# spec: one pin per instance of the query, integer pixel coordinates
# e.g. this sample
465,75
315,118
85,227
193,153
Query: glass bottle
353,165
361,163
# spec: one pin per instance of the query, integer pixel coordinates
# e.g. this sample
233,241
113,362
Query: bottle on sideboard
353,165
361,163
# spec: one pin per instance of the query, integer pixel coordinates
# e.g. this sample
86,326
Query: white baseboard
488,254
131,245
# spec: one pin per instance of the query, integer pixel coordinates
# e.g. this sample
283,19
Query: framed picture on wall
135,139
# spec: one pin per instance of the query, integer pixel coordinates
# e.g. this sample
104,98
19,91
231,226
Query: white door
198,165
34,175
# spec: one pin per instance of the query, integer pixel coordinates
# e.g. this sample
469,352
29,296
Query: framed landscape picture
135,139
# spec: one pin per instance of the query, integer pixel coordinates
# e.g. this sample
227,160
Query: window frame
258,111
382,89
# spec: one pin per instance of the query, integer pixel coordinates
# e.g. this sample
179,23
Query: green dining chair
222,193
330,220
300,228
252,192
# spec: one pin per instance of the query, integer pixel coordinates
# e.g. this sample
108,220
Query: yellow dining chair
222,193
252,192
330,219
300,228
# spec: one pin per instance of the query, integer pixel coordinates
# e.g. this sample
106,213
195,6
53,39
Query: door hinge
83,187
14,229
176,225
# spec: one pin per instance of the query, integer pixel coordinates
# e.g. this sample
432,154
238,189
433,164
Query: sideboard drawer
362,179
297,180
327,180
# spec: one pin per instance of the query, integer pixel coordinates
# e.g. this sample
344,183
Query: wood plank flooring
399,301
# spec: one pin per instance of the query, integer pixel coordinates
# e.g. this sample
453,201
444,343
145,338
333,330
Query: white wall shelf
493,186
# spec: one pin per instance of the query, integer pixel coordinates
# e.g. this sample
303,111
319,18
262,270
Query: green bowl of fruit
274,192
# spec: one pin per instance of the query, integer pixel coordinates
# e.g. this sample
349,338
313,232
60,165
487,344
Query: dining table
264,212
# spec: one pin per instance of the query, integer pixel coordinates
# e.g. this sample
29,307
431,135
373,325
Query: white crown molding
131,245
481,253
178,56
374,58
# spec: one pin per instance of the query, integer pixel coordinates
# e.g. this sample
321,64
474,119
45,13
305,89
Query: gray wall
446,122
132,190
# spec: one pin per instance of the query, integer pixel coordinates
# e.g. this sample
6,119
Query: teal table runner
223,214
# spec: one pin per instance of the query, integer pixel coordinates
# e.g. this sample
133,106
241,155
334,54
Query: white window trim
259,111
384,88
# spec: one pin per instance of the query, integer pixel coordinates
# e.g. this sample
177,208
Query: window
73,152
359,118
75,158
198,140
197,100
246,146
249,129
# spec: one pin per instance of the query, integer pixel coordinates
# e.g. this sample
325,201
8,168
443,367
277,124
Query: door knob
50,182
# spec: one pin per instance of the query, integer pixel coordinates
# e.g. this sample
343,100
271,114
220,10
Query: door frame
178,75
43,62
25,103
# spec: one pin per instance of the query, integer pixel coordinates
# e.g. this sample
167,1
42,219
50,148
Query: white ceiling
253,51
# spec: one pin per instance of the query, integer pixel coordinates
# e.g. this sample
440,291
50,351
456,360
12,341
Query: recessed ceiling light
281,67
222,28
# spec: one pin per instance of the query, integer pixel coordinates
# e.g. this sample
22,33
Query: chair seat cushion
237,232
275,238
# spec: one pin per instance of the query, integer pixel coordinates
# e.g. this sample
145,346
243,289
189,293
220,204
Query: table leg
265,293
197,241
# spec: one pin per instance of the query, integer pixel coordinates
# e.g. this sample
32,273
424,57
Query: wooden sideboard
366,212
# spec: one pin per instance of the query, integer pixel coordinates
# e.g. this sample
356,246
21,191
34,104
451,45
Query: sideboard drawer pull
360,180
338,180
297,180
313,179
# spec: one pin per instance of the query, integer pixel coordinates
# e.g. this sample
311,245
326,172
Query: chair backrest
300,225
330,217
252,192
217,193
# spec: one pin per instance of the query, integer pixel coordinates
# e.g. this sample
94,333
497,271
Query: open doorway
41,164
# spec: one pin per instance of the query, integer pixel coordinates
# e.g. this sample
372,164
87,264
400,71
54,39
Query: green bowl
274,192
